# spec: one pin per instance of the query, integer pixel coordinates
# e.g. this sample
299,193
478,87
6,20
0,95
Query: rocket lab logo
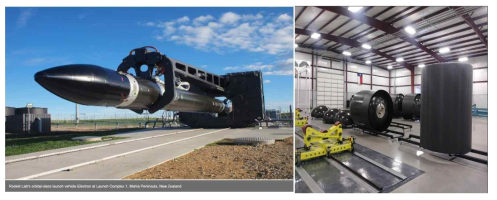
359,78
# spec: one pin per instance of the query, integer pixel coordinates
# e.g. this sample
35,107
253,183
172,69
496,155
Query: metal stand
474,159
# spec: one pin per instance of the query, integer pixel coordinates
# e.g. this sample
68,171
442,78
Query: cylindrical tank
372,110
10,111
344,117
411,106
350,100
329,116
397,104
33,110
318,112
447,90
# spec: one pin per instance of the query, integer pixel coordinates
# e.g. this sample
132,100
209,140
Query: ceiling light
444,50
295,45
463,59
354,8
347,53
315,35
421,66
399,59
366,46
410,30
389,67
368,62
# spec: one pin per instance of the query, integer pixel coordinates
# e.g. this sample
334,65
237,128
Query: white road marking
111,157
91,147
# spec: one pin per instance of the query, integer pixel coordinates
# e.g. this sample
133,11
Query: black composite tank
344,117
397,104
318,112
372,110
411,106
447,98
329,116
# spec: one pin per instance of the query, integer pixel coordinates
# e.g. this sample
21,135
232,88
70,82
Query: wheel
299,162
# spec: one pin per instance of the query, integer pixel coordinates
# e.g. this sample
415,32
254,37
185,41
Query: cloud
83,15
231,32
203,66
229,18
22,21
205,18
39,61
284,17
258,66
34,61
281,67
267,81
231,68
183,19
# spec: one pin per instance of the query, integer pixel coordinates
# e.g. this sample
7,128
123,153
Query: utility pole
77,114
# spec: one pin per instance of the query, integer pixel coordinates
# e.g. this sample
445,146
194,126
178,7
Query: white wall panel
417,79
380,81
392,81
480,74
403,81
417,70
359,68
337,65
479,88
323,63
329,71
380,72
380,88
354,88
401,72
303,56
403,90
481,100
477,62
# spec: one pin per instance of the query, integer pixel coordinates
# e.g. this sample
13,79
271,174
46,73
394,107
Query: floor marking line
91,147
309,181
389,170
114,156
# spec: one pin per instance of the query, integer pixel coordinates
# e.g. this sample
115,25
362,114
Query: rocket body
98,86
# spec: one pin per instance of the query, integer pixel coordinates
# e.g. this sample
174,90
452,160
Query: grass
17,144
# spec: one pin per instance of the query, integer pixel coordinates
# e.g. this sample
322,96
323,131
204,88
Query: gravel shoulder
223,160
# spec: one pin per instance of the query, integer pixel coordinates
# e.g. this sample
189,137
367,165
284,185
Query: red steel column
371,77
312,78
412,81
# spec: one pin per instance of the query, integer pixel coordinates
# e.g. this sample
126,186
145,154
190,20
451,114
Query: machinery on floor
299,120
411,107
318,112
319,143
162,83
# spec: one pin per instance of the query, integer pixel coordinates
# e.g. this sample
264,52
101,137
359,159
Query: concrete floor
120,167
441,175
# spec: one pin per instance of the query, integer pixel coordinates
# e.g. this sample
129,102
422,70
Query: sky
219,40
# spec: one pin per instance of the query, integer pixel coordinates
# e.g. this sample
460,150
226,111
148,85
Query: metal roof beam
475,28
380,25
348,42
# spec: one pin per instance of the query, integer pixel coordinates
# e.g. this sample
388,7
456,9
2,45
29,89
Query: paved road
173,145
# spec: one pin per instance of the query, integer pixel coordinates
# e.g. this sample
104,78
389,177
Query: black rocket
165,84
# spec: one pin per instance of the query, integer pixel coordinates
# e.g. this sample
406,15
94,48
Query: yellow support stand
299,120
318,143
